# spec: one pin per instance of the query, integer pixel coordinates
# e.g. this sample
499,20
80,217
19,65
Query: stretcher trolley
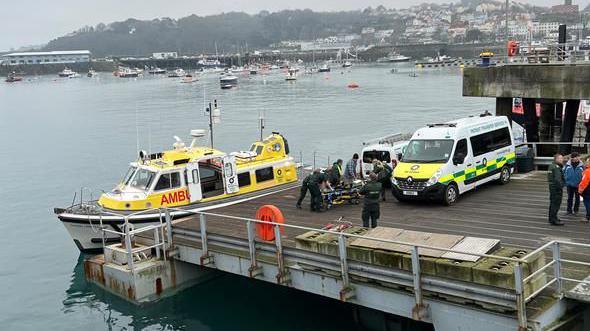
342,194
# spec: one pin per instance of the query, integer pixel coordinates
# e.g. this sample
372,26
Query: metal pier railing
515,299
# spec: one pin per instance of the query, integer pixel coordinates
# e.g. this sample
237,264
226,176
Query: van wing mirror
459,159
399,156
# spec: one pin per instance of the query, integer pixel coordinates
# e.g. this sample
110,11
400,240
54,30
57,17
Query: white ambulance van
386,149
445,160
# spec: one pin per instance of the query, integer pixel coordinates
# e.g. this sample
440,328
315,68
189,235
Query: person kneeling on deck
556,183
317,180
573,175
305,187
372,192
584,188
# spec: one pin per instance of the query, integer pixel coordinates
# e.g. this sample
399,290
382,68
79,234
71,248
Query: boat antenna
136,128
261,124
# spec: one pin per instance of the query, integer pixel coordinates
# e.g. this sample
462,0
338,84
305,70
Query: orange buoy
268,214
353,85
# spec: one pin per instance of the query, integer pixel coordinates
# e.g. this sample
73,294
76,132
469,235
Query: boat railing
516,298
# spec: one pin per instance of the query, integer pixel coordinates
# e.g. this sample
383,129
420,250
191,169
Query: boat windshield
428,151
129,175
142,179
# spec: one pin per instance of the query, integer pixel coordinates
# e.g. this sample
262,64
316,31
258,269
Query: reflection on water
225,303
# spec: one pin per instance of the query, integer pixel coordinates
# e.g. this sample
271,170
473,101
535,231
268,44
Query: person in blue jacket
572,173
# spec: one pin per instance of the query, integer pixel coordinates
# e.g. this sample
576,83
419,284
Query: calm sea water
57,135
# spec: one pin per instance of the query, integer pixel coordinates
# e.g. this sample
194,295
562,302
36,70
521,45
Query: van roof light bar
442,125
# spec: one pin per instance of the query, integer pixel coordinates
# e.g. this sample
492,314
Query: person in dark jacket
371,191
556,183
384,177
572,172
305,188
315,183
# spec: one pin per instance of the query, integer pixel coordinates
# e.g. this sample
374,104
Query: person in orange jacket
584,187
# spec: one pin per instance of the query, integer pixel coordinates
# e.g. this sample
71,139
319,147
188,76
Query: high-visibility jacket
584,187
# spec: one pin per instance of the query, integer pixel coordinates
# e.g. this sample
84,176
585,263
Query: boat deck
515,213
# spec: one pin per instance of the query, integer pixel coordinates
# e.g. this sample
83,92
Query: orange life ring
512,48
268,214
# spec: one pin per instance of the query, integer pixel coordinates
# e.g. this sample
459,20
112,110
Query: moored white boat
187,179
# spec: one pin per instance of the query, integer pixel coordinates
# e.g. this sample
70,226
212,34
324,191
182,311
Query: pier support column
504,107
531,121
547,124
569,125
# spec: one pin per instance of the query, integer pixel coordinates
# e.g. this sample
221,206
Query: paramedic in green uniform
315,183
556,183
305,188
372,193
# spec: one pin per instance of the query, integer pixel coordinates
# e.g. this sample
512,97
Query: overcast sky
33,22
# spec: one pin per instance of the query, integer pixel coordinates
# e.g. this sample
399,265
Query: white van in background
385,149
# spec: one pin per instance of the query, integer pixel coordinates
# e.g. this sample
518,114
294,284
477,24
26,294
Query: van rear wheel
451,194
504,176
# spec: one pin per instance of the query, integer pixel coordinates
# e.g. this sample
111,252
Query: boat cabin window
244,179
369,156
168,181
264,174
128,175
142,179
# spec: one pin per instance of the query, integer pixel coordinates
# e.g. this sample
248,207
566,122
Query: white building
55,57
164,55
545,28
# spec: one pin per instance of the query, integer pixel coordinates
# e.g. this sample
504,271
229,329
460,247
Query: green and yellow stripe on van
471,174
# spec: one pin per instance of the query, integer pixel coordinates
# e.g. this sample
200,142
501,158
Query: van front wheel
504,176
451,194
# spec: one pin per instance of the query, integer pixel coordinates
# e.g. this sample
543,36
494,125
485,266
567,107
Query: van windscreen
428,151
369,156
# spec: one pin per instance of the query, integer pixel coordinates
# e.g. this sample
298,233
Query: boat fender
268,214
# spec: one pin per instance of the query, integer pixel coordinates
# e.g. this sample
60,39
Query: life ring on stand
269,214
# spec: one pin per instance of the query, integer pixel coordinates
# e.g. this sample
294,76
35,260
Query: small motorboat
67,72
13,77
91,73
188,78
157,71
347,64
177,73
75,75
226,86
324,68
291,75
353,85
228,79
125,72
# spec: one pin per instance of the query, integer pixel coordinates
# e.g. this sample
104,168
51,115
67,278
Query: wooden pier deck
515,213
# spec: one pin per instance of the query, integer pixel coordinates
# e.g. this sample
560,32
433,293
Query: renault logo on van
415,167
410,180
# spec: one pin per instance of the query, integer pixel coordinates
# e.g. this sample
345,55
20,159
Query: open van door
193,182
230,174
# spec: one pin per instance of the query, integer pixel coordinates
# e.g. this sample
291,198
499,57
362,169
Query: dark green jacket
555,176
372,193
385,173
316,179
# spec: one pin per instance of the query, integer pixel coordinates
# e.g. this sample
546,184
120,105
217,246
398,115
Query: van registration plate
411,193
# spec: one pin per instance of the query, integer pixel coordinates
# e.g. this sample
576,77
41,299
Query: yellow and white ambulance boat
190,179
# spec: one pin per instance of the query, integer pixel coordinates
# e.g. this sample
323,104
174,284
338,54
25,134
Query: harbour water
57,135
